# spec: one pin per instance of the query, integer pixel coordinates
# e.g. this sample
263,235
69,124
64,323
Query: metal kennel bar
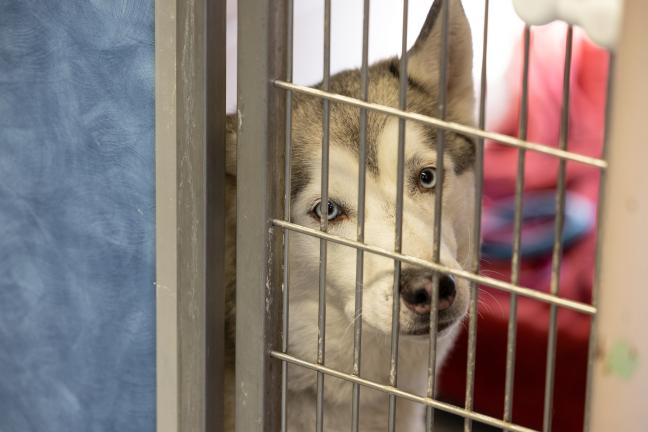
492,421
398,240
558,232
190,63
362,184
260,187
511,338
464,274
321,313
266,94
448,125
438,207
591,355
471,358
287,206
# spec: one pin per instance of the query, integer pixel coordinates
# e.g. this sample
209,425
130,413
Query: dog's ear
230,144
425,55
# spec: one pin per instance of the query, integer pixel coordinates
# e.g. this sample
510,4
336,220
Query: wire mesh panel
286,169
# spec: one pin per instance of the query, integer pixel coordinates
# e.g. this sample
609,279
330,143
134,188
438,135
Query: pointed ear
425,55
230,144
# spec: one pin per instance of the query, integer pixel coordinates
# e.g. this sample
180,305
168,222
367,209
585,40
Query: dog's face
419,186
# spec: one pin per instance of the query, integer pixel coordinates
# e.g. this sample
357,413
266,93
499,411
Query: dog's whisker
351,324
493,298
494,273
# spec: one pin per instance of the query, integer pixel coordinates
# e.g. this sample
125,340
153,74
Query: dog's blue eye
334,210
427,178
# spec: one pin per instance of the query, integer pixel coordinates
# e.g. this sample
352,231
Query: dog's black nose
416,290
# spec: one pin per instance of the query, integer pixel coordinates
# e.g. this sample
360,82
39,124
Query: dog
419,190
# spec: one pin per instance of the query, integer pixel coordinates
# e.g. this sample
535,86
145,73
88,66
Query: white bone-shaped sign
599,18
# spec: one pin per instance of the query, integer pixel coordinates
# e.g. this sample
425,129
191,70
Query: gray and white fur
417,232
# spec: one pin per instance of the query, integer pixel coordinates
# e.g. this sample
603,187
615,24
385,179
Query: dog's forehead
344,125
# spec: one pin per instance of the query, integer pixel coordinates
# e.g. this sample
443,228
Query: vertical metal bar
191,215
558,230
357,316
479,178
591,356
321,313
398,241
189,224
215,51
438,206
166,219
517,233
259,188
287,210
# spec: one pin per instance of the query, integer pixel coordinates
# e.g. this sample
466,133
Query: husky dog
341,210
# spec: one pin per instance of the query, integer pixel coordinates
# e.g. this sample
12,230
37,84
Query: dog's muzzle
416,291
416,288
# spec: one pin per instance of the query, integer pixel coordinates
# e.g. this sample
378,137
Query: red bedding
586,120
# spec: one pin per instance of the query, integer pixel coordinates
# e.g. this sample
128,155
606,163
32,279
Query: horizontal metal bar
451,126
452,409
484,280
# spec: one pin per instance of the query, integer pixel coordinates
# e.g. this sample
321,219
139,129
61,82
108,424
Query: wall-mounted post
620,378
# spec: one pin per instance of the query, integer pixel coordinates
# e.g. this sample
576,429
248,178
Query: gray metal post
261,58
215,55
190,200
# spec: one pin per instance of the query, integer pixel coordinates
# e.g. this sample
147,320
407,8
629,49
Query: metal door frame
190,219
259,151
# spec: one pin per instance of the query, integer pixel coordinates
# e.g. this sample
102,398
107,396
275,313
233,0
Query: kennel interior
529,354
112,199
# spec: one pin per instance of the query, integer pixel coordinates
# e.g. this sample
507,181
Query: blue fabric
538,224
77,265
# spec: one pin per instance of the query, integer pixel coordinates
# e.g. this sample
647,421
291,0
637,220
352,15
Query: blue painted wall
77,265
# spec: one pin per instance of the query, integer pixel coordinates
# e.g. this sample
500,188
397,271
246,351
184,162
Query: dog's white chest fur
375,366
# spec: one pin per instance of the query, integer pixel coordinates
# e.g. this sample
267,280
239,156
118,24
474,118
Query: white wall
384,38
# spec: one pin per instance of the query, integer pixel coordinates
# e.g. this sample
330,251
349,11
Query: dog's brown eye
427,178
334,211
